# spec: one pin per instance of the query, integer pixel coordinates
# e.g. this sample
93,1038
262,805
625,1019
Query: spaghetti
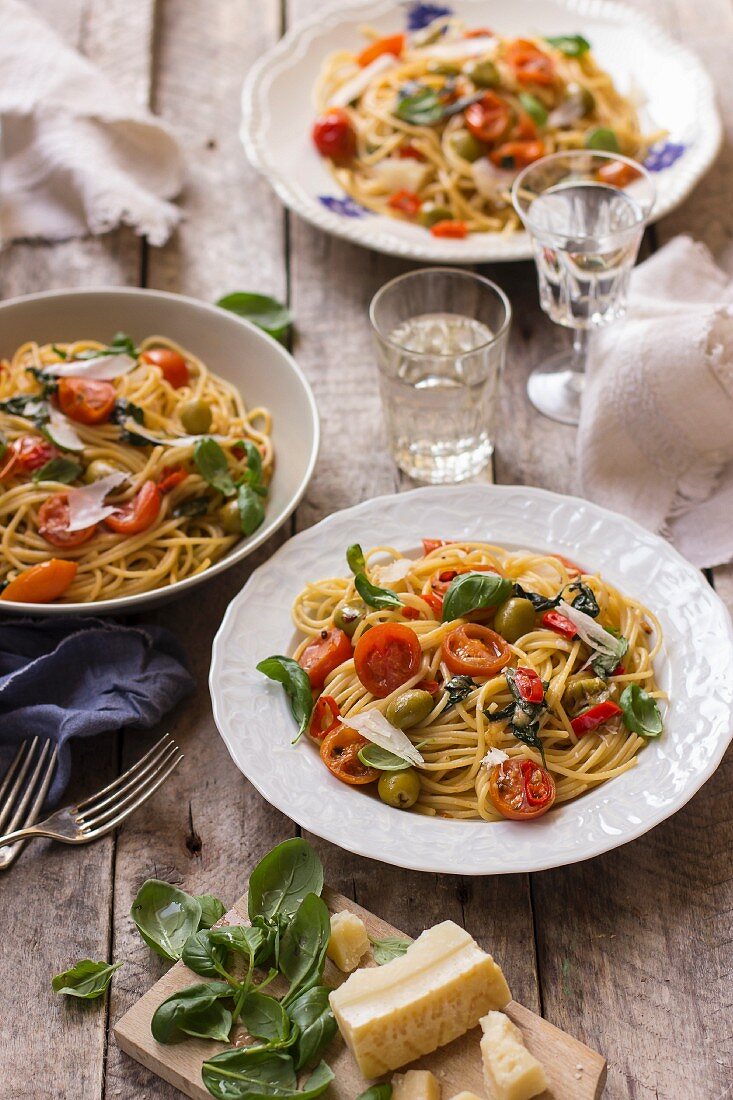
186,462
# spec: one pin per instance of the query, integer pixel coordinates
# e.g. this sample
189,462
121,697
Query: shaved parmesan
395,571
591,632
398,174
62,432
490,181
486,45
353,88
132,426
86,505
494,756
102,368
374,726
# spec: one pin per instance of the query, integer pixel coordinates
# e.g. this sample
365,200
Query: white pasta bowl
673,89
695,668
262,370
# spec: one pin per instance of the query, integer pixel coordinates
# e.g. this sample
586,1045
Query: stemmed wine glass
585,212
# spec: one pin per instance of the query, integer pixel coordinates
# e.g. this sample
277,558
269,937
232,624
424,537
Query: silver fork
87,820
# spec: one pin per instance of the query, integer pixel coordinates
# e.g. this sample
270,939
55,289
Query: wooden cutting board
574,1070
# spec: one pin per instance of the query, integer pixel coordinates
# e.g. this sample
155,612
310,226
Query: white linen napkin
77,155
655,439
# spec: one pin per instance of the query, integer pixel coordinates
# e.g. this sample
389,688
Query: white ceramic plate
278,110
696,668
263,371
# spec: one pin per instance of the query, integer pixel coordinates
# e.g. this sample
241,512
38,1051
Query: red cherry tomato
521,790
407,202
429,545
386,657
323,654
530,64
517,154
529,685
41,583
488,118
53,523
170,477
393,43
450,229
172,365
340,754
86,400
561,624
475,650
410,613
435,603
30,452
594,717
334,136
138,514
325,718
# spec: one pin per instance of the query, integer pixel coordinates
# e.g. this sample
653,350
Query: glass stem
581,337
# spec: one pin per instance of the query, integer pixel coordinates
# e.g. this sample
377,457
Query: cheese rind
439,989
349,941
416,1084
510,1071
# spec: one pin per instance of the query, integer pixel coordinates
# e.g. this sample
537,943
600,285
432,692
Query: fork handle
31,832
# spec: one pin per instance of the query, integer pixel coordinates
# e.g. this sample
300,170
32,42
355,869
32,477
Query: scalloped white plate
277,106
696,668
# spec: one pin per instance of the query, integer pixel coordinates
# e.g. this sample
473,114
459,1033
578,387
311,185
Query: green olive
604,139
399,789
514,618
230,518
409,709
582,693
484,73
99,468
430,214
467,146
196,417
348,616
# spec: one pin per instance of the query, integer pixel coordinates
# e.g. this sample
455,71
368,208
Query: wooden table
630,952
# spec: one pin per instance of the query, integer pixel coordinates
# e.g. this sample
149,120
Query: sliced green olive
514,618
467,146
99,468
602,139
409,709
484,73
196,417
399,789
348,616
430,214
230,518
582,693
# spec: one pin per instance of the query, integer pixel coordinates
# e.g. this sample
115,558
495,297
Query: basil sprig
524,717
459,688
391,947
245,1073
211,462
355,558
640,711
265,312
572,45
64,470
297,687
584,600
471,591
86,980
382,598
605,664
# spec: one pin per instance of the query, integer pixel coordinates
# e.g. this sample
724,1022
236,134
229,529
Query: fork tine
144,795
109,805
10,773
166,738
19,780
20,813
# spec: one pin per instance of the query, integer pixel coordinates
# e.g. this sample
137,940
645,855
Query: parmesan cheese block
439,989
416,1084
510,1071
349,941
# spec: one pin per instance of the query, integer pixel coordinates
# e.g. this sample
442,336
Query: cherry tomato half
521,790
325,718
170,477
517,154
407,202
86,400
488,118
340,754
529,685
386,657
138,514
393,43
31,452
530,64
323,654
41,583
334,136
475,650
453,230
53,523
172,365
435,602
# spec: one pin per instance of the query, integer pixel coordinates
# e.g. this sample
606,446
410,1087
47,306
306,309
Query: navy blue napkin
72,677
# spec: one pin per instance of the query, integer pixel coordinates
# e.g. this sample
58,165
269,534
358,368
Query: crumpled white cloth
77,155
655,439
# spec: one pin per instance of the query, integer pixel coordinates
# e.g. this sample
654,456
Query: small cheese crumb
494,756
349,941
416,1084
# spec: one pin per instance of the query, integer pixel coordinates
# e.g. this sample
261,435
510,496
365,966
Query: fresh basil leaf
212,910
29,406
283,879
47,382
602,139
58,351
585,601
3,444
539,603
124,410
86,979
122,344
605,664
374,756
311,1013
459,688
381,598
211,462
529,735
254,459
165,917
265,1018
58,469
204,955
423,108
391,947
251,508
355,558
196,1010
247,1073
572,45
302,951
499,715
640,711
377,1092
470,591
255,943
194,506
534,107
297,687
265,312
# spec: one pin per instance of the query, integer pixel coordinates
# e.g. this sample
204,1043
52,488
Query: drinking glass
585,230
441,339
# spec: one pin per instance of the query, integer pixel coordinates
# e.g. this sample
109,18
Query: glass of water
441,338
585,212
